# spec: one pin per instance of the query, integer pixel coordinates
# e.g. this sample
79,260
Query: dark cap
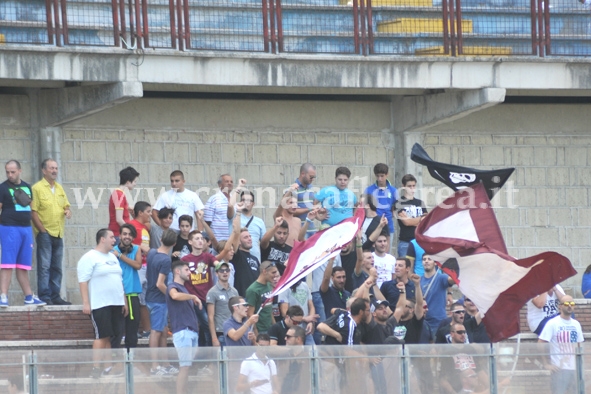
381,303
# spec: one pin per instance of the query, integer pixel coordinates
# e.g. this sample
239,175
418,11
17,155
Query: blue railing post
580,381
33,380
128,370
404,368
314,370
492,369
223,367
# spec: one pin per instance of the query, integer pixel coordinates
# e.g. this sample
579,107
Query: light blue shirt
339,203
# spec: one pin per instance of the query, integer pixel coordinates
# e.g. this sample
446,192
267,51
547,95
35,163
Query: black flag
457,177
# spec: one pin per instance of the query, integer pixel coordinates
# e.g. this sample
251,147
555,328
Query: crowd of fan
204,272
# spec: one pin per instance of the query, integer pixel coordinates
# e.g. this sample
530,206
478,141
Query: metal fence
364,27
502,368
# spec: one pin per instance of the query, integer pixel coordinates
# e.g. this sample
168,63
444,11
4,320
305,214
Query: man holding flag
258,293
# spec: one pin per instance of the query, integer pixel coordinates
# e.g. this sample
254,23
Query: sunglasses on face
241,304
460,332
569,303
224,270
459,312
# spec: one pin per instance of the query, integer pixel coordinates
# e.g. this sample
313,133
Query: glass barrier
525,368
71,371
157,370
448,368
363,368
262,369
503,368
14,370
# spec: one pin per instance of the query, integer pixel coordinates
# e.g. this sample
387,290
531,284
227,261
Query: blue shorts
185,343
17,247
158,315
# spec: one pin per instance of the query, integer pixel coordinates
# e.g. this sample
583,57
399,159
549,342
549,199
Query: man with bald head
462,365
562,332
49,209
16,235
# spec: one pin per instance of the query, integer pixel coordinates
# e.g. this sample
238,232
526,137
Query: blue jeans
50,251
185,343
319,306
203,320
402,248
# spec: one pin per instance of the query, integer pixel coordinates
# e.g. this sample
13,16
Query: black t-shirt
391,292
247,270
278,332
476,332
411,329
277,254
182,245
348,263
293,379
413,208
342,323
334,298
14,214
376,334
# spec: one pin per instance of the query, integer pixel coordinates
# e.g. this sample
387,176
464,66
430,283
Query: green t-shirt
254,297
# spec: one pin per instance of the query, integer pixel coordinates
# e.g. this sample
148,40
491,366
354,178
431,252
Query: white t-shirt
563,335
185,203
535,315
384,266
104,276
255,369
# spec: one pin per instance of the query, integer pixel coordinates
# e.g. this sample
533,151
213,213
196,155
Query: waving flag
457,177
463,236
306,256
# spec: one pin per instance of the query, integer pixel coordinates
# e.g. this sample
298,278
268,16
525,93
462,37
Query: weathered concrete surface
421,112
381,75
60,106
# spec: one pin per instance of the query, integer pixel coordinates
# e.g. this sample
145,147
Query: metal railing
501,368
364,27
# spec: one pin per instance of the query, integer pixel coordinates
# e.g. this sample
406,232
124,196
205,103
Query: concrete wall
262,141
550,148
266,142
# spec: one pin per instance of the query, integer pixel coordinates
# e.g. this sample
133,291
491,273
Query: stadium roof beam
418,113
60,106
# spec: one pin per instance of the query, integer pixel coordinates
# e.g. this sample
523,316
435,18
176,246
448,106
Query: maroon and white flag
462,235
306,256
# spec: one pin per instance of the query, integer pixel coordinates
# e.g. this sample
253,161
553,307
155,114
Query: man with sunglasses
443,334
562,332
456,367
238,328
293,318
217,303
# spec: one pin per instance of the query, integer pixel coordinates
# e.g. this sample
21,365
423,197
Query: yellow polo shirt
50,206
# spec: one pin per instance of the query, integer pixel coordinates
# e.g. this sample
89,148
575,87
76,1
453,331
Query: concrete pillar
421,112
412,115
60,106
403,164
